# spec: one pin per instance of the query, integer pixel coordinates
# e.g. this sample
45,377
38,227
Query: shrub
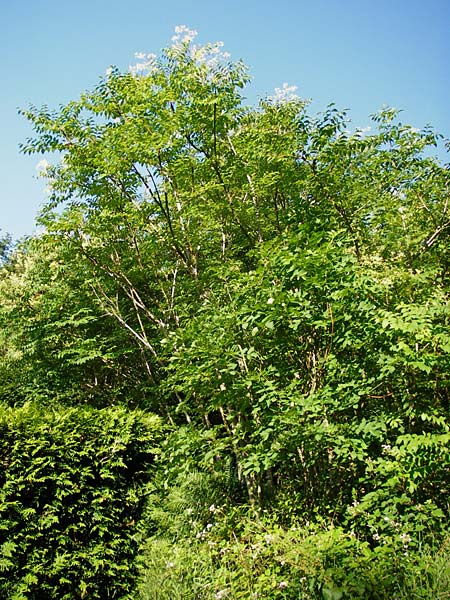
72,490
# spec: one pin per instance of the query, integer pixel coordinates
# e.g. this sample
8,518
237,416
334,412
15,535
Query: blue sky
359,54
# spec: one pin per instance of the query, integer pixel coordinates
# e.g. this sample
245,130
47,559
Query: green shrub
72,490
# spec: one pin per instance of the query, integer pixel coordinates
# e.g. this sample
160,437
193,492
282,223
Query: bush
72,490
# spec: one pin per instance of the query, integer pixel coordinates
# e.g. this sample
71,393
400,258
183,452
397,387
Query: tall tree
284,280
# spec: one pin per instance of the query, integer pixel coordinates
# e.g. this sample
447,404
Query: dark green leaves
71,495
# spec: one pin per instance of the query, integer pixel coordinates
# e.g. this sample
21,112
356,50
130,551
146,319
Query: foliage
5,247
72,489
273,285
56,342
312,562
300,364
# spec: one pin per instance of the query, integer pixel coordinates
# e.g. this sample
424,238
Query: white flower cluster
405,539
284,94
42,168
148,63
202,534
210,55
183,35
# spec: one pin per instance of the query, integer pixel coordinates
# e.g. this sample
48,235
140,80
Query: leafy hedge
72,489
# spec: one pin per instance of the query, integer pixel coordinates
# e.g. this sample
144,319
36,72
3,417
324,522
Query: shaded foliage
72,491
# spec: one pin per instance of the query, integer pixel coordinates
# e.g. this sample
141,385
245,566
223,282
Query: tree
5,247
284,280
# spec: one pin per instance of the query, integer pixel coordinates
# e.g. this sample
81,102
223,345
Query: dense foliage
275,287
73,484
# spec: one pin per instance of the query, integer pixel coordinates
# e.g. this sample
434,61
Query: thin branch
430,241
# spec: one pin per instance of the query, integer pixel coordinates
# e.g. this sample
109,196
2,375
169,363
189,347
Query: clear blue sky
359,54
